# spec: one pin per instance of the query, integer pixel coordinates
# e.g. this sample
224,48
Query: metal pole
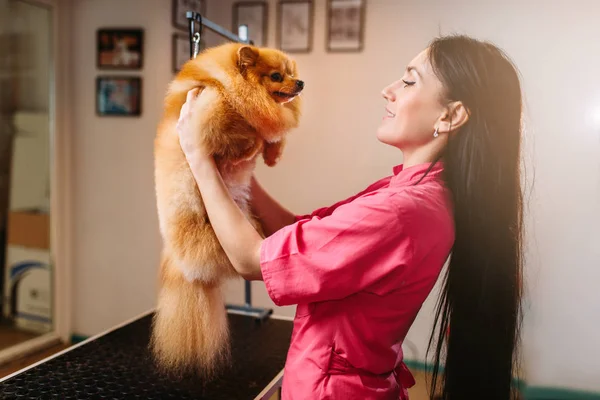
195,31
225,33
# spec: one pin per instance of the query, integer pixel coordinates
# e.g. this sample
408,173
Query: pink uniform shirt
359,272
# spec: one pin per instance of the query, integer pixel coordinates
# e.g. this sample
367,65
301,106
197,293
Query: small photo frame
180,7
253,14
295,26
345,25
7,89
181,50
118,96
120,48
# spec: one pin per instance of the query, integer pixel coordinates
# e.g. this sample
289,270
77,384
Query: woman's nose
387,93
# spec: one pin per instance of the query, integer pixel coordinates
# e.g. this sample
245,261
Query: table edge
270,389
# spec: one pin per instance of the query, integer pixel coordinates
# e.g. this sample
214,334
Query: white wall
116,252
116,230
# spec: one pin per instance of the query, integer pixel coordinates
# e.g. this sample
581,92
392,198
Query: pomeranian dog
249,102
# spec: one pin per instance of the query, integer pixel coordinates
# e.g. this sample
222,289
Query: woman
360,270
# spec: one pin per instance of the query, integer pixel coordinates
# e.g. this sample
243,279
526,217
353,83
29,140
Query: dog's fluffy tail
190,328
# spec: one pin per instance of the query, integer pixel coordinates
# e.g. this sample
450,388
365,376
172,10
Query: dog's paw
272,152
250,154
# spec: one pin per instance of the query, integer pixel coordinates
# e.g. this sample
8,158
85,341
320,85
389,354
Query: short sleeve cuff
301,217
266,267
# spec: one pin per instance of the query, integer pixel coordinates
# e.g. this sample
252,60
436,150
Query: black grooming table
117,365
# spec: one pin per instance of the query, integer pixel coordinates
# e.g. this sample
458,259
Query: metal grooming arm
196,23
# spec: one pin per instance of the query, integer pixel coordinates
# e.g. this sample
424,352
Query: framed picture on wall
345,25
295,26
120,48
181,50
180,7
118,96
254,14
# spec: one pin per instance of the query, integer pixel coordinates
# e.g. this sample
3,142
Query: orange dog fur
248,104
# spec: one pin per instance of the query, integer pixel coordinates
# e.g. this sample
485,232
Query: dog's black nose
300,84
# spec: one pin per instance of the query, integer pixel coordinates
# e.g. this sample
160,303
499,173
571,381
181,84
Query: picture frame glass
295,26
120,48
118,96
181,7
254,16
181,51
345,24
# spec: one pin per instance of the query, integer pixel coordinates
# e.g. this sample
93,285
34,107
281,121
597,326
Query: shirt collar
412,174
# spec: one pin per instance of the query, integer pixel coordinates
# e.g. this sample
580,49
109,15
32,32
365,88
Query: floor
16,365
10,336
420,390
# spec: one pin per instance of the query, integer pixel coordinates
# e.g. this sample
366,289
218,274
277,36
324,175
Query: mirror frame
60,183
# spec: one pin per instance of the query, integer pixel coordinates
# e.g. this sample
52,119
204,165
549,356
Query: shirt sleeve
318,259
325,211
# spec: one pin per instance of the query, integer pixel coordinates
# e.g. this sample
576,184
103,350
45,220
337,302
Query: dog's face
272,69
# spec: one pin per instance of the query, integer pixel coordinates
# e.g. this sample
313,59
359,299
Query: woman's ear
453,118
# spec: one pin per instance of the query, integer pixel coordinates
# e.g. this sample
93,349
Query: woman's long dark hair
478,315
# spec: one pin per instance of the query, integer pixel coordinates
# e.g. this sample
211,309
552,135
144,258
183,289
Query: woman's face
413,109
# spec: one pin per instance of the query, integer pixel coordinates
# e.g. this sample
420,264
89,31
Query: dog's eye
276,77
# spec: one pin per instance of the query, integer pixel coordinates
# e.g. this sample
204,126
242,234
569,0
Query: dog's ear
247,57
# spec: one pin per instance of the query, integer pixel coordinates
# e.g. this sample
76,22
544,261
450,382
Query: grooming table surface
118,365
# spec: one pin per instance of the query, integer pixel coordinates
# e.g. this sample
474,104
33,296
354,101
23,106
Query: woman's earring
436,134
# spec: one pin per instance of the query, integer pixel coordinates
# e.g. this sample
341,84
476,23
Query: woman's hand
190,140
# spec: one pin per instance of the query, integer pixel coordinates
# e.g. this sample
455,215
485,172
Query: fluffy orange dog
249,102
